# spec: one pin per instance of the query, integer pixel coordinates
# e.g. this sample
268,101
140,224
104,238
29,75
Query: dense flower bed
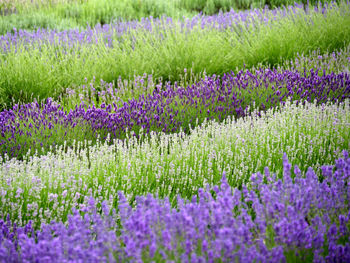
33,126
47,187
298,218
159,169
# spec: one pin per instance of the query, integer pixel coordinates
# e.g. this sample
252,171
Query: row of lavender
46,188
298,218
108,32
164,48
39,128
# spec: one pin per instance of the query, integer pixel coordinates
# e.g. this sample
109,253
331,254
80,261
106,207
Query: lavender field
212,132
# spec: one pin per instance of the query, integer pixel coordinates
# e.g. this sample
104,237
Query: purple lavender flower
301,219
168,110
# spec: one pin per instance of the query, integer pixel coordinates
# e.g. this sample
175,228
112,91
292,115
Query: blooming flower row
45,188
297,218
107,32
39,127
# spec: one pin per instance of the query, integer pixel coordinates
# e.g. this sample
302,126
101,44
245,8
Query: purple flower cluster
215,97
298,218
90,238
168,110
33,126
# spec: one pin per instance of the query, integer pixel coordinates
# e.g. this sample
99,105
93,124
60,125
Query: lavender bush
328,62
107,32
298,218
45,188
168,109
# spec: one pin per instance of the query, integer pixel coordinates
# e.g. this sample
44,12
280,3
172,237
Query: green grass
33,73
44,188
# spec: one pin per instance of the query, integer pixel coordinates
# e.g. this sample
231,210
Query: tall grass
45,71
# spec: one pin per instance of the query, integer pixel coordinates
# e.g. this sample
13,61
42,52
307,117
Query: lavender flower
170,109
299,218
